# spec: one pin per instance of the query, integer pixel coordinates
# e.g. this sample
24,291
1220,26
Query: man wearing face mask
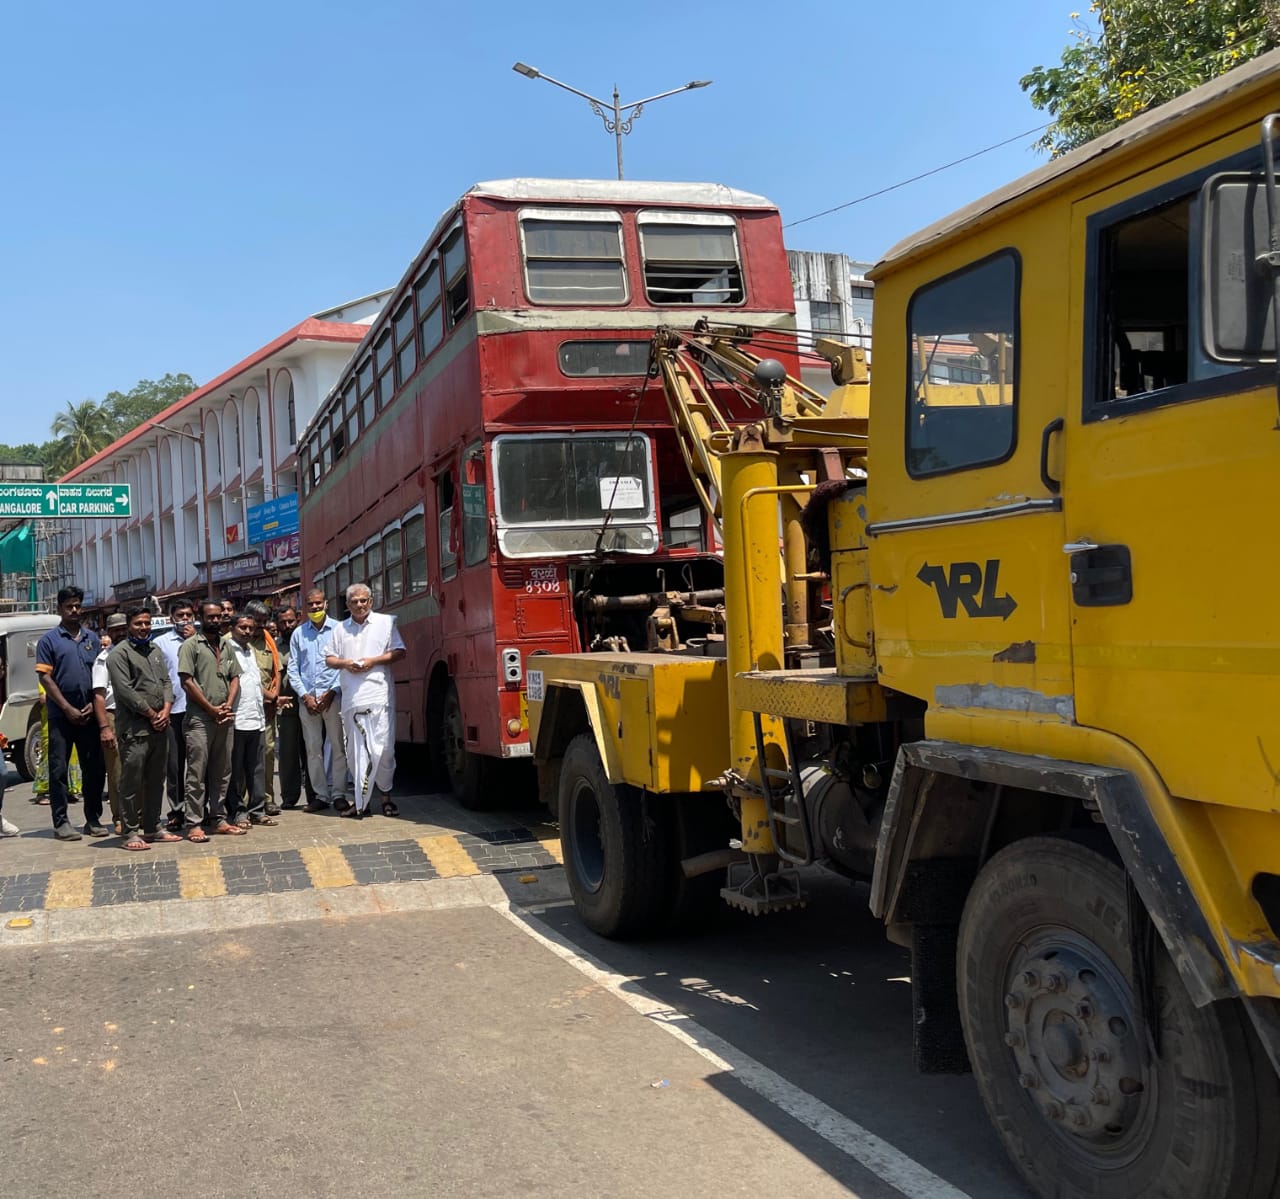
139,679
315,683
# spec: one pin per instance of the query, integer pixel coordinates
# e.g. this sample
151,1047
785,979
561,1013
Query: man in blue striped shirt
316,686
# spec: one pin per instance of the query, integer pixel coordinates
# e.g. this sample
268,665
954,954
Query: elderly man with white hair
363,648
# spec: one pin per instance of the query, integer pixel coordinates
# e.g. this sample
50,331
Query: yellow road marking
201,878
327,866
70,888
447,856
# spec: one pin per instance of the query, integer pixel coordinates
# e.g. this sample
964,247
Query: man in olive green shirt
211,680
140,684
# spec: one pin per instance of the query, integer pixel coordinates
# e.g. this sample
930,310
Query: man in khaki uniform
139,679
211,681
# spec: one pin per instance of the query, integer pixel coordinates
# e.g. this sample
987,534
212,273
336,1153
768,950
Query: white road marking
877,1155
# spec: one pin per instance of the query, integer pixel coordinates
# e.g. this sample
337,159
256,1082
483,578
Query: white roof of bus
620,191
1138,129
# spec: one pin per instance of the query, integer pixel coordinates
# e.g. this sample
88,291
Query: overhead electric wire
946,166
1180,68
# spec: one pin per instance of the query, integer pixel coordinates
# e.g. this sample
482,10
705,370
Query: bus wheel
1065,1061
617,857
464,771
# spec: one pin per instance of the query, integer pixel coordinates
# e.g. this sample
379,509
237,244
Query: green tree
27,452
80,432
1130,55
126,410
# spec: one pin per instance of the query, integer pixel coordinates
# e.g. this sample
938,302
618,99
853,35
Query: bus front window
573,493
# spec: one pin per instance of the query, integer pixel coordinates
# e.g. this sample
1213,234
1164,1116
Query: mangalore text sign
71,500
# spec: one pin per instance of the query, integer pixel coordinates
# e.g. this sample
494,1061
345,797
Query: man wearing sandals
363,648
140,684
211,681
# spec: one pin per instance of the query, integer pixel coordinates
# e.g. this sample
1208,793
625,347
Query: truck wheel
617,861
464,771
1064,1060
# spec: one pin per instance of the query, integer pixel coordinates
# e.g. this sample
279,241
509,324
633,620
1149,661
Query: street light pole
615,124
204,489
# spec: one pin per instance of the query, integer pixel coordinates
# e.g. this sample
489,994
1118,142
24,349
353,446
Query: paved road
384,1019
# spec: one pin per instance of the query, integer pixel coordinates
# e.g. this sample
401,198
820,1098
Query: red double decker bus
495,462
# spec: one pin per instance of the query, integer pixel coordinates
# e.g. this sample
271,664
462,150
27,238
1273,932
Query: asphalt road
485,1049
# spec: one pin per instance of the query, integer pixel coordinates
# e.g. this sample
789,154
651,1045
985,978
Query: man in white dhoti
363,648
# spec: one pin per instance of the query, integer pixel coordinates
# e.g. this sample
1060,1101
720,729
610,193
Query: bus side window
457,300
446,540
685,528
415,554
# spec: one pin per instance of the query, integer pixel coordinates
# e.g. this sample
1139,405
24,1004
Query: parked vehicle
495,463
19,688
1025,670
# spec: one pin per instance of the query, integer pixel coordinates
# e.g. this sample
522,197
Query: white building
833,299
241,426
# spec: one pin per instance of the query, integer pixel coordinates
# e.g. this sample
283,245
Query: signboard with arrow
77,501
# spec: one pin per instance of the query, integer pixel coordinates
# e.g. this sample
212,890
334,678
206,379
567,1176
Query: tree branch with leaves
1128,56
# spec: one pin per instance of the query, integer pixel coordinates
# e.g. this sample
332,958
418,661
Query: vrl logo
967,585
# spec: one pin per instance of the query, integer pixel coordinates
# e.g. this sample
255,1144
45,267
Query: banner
275,518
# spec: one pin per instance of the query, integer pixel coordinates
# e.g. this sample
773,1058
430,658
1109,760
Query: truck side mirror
1239,283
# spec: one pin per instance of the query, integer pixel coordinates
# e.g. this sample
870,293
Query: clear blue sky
183,182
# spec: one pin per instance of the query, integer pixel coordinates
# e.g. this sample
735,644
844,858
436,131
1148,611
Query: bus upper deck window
691,259
457,298
574,259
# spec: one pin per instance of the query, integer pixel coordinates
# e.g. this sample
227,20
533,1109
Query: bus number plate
542,580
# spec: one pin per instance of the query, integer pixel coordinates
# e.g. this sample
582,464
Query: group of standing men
210,710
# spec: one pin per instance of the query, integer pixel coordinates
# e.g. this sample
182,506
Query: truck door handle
1050,483
1101,575
1077,547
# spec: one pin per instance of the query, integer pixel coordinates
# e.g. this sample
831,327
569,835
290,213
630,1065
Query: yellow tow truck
1003,641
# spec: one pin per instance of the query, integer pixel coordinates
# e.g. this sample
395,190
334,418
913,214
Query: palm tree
82,430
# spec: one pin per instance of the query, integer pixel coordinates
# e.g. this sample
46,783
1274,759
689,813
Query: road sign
52,500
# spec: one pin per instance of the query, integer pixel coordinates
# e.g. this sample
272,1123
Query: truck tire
465,772
617,857
1064,1060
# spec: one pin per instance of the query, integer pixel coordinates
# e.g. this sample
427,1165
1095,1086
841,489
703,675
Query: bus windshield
553,492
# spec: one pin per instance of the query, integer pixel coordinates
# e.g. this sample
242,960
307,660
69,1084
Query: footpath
55,890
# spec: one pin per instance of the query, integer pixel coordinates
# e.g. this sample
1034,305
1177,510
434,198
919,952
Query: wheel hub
1074,1036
